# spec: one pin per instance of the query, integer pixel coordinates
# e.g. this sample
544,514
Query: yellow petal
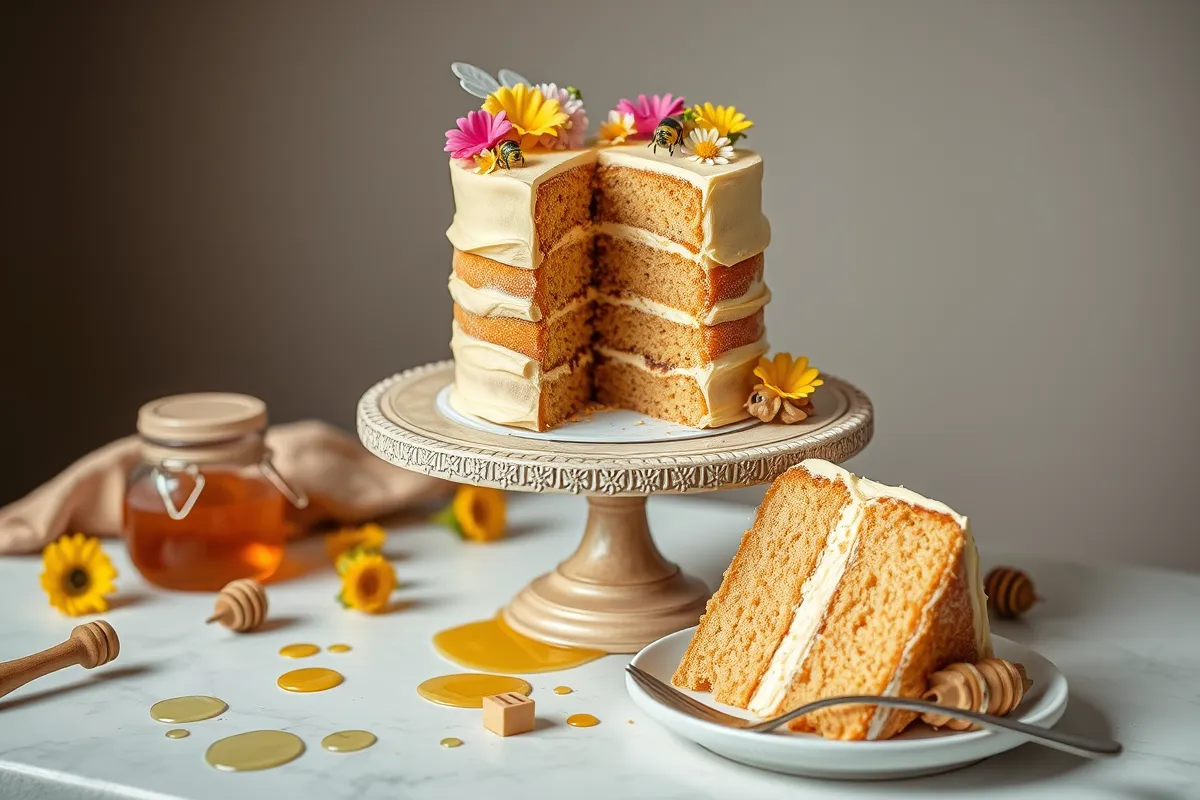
808,376
797,369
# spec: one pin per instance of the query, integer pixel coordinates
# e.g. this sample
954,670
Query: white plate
920,750
611,427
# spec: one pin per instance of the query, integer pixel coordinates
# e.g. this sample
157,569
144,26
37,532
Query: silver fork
1084,746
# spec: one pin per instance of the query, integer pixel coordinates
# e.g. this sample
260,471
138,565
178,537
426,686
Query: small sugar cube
508,714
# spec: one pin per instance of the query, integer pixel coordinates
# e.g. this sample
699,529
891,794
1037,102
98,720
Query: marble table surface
1127,639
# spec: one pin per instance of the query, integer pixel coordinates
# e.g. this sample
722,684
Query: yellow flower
791,379
726,120
77,575
531,114
475,513
368,580
485,162
368,537
617,128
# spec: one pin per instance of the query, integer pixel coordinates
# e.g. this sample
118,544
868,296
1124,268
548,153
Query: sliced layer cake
843,586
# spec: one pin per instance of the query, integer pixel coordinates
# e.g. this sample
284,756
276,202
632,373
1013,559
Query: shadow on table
92,681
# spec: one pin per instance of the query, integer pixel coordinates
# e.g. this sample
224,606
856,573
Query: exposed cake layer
622,325
704,396
517,216
714,212
551,341
488,288
510,388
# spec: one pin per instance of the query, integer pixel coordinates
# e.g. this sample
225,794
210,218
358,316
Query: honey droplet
348,741
467,689
563,690
450,741
582,720
192,708
255,750
178,733
299,650
339,648
312,679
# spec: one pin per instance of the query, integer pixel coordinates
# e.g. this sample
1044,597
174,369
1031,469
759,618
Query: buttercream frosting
494,213
818,590
722,381
734,308
499,384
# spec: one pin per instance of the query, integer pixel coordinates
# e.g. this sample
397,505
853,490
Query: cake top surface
872,490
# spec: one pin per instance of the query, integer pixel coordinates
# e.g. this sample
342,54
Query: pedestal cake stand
617,592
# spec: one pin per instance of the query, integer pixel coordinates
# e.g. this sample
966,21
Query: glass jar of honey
205,505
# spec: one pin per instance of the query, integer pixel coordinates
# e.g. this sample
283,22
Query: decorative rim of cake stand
398,421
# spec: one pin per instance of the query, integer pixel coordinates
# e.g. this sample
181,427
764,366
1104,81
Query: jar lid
201,418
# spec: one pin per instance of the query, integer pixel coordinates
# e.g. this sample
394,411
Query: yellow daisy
788,378
368,580
77,575
485,162
531,114
617,128
727,120
366,537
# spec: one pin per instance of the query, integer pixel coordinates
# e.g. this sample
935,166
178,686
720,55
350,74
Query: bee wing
475,81
510,78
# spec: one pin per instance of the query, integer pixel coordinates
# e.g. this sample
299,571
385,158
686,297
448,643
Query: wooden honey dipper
990,686
241,606
90,646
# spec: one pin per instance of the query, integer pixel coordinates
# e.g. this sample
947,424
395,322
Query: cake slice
843,586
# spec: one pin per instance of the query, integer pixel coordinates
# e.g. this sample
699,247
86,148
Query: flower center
368,584
76,582
479,511
706,149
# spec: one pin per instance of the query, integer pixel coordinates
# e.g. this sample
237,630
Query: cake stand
617,592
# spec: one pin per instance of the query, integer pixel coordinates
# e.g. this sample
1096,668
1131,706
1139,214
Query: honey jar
205,505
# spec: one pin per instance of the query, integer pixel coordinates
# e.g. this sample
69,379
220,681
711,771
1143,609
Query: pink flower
476,132
650,111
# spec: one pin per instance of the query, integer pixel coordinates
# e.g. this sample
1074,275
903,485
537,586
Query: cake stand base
616,593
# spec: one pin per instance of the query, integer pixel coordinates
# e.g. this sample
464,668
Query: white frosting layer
499,384
724,382
816,594
757,296
493,214
488,301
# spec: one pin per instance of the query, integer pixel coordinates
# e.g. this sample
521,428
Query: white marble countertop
1127,639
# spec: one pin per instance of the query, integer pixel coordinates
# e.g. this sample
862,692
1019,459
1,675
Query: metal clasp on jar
162,474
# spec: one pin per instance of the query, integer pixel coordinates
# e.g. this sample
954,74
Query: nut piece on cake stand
617,592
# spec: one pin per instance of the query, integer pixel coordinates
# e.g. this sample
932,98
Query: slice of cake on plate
843,586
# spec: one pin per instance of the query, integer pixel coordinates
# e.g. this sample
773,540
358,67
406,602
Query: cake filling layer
722,311
487,301
722,381
818,591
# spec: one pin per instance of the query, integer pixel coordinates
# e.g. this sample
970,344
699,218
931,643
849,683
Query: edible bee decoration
508,154
668,134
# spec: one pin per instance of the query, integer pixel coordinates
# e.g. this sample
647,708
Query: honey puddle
310,679
450,741
492,646
191,708
467,689
255,750
582,720
339,648
348,741
299,650
178,733
563,690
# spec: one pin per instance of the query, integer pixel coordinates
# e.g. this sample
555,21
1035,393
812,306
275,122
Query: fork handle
1085,746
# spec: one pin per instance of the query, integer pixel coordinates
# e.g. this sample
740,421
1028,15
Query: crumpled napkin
344,483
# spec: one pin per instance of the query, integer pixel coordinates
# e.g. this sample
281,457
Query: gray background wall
985,214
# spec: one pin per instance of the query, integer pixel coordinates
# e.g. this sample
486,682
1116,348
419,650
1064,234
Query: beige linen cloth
344,484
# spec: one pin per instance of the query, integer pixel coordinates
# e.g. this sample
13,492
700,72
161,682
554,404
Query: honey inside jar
205,505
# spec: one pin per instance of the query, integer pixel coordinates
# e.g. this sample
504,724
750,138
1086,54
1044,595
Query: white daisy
707,146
